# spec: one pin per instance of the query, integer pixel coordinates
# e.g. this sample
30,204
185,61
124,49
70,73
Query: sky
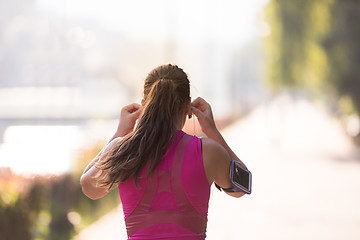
185,20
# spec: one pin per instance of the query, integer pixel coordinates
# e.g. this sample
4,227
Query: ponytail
166,91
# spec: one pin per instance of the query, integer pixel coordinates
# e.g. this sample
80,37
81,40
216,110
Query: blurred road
306,179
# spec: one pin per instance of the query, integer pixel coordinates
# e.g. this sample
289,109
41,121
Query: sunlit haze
95,56
227,21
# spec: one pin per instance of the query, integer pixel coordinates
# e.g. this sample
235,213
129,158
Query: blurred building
57,70
53,72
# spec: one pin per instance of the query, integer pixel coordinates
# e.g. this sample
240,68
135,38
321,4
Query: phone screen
241,176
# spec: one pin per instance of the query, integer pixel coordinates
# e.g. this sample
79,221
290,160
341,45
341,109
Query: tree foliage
314,45
39,207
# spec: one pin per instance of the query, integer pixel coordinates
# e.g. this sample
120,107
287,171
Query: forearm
93,162
118,133
216,135
96,159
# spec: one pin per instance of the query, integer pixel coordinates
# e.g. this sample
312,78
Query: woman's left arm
129,115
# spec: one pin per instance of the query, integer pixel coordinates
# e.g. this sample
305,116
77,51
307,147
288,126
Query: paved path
306,179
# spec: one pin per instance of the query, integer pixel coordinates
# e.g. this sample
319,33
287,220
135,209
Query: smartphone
241,179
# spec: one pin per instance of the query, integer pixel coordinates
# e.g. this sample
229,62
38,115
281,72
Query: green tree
343,51
14,220
314,45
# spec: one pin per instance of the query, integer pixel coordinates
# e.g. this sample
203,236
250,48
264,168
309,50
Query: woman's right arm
129,115
216,152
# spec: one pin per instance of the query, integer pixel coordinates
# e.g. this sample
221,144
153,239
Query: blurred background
282,77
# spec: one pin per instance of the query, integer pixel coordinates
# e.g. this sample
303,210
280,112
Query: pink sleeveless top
172,202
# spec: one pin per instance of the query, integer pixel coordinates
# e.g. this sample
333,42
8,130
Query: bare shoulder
213,149
215,158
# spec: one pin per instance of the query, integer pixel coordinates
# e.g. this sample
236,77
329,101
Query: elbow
84,184
239,195
236,194
89,194
91,191
86,188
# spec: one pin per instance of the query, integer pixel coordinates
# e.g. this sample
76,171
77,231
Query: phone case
238,187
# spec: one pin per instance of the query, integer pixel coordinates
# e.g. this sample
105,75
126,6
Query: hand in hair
128,116
202,111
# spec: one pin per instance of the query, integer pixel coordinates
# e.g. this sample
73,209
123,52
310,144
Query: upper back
173,200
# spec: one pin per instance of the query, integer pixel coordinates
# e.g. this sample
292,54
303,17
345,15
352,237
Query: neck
181,123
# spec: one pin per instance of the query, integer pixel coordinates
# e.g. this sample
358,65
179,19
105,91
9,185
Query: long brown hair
166,93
